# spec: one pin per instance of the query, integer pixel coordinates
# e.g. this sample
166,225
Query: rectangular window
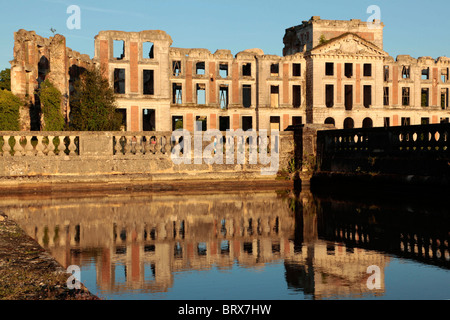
444,98
444,120
147,50
425,101
367,96
296,120
123,115
148,80
223,96
406,72
424,121
223,70
444,75
177,122
405,96
274,69
201,93
348,70
348,97
386,73
386,96
247,69
246,95
296,96
329,95
200,68
387,122
274,94
275,123
119,80
148,120
426,74
367,70
406,121
296,70
329,69
247,123
177,93
118,49
201,123
176,68
224,123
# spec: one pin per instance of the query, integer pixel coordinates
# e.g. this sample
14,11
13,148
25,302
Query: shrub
9,111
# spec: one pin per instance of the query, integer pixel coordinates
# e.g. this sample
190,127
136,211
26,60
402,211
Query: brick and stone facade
333,72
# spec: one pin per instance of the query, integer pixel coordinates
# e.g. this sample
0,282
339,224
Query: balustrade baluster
18,150
72,146
50,146
28,148
40,147
6,146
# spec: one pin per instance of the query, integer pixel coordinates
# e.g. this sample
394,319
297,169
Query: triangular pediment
348,44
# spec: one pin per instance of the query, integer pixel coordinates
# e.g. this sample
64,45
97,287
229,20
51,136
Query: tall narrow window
367,72
444,75
367,123
200,68
425,97
296,70
387,122
147,50
386,96
223,70
406,72
444,98
296,96
329,95
118,49
348,97
426,74
406,121
386,73
349,123
274,94
119,80
424,121
148,84
367,92
223,96
329,68
274,69
247,69
348,70
405,96
201,93
246,95
176,68
177,93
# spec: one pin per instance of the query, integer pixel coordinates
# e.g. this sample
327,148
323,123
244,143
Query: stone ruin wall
36,59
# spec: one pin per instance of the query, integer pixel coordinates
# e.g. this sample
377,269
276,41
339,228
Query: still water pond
261,245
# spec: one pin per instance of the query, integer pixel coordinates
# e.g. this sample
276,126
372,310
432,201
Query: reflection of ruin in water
139,241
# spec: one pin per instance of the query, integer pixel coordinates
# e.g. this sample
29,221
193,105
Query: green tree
5,79
93,104
9,111
50,98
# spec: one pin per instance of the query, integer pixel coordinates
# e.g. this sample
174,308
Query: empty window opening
247,69
177,122
329,69
147,50
444,120
274,69
424,121
329,95
386,73
348,70
406,72
406,121
119,80
223,96
201,93
223,70
349,123
274,123
296,96
123,115
367,70
444,98
329,120
224,123
367,123
177,93
176,68
200,68
246,95
348,97
43,68
405,96
386,96
201,123
247,123
274,94
148,82
118,49
296,70
367,92
297,120
386,122
444,75
425,97
148,120
426,74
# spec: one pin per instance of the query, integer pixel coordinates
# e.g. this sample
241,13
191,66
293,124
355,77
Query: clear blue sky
417,28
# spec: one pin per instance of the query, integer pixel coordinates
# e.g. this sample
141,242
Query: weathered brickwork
332,72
